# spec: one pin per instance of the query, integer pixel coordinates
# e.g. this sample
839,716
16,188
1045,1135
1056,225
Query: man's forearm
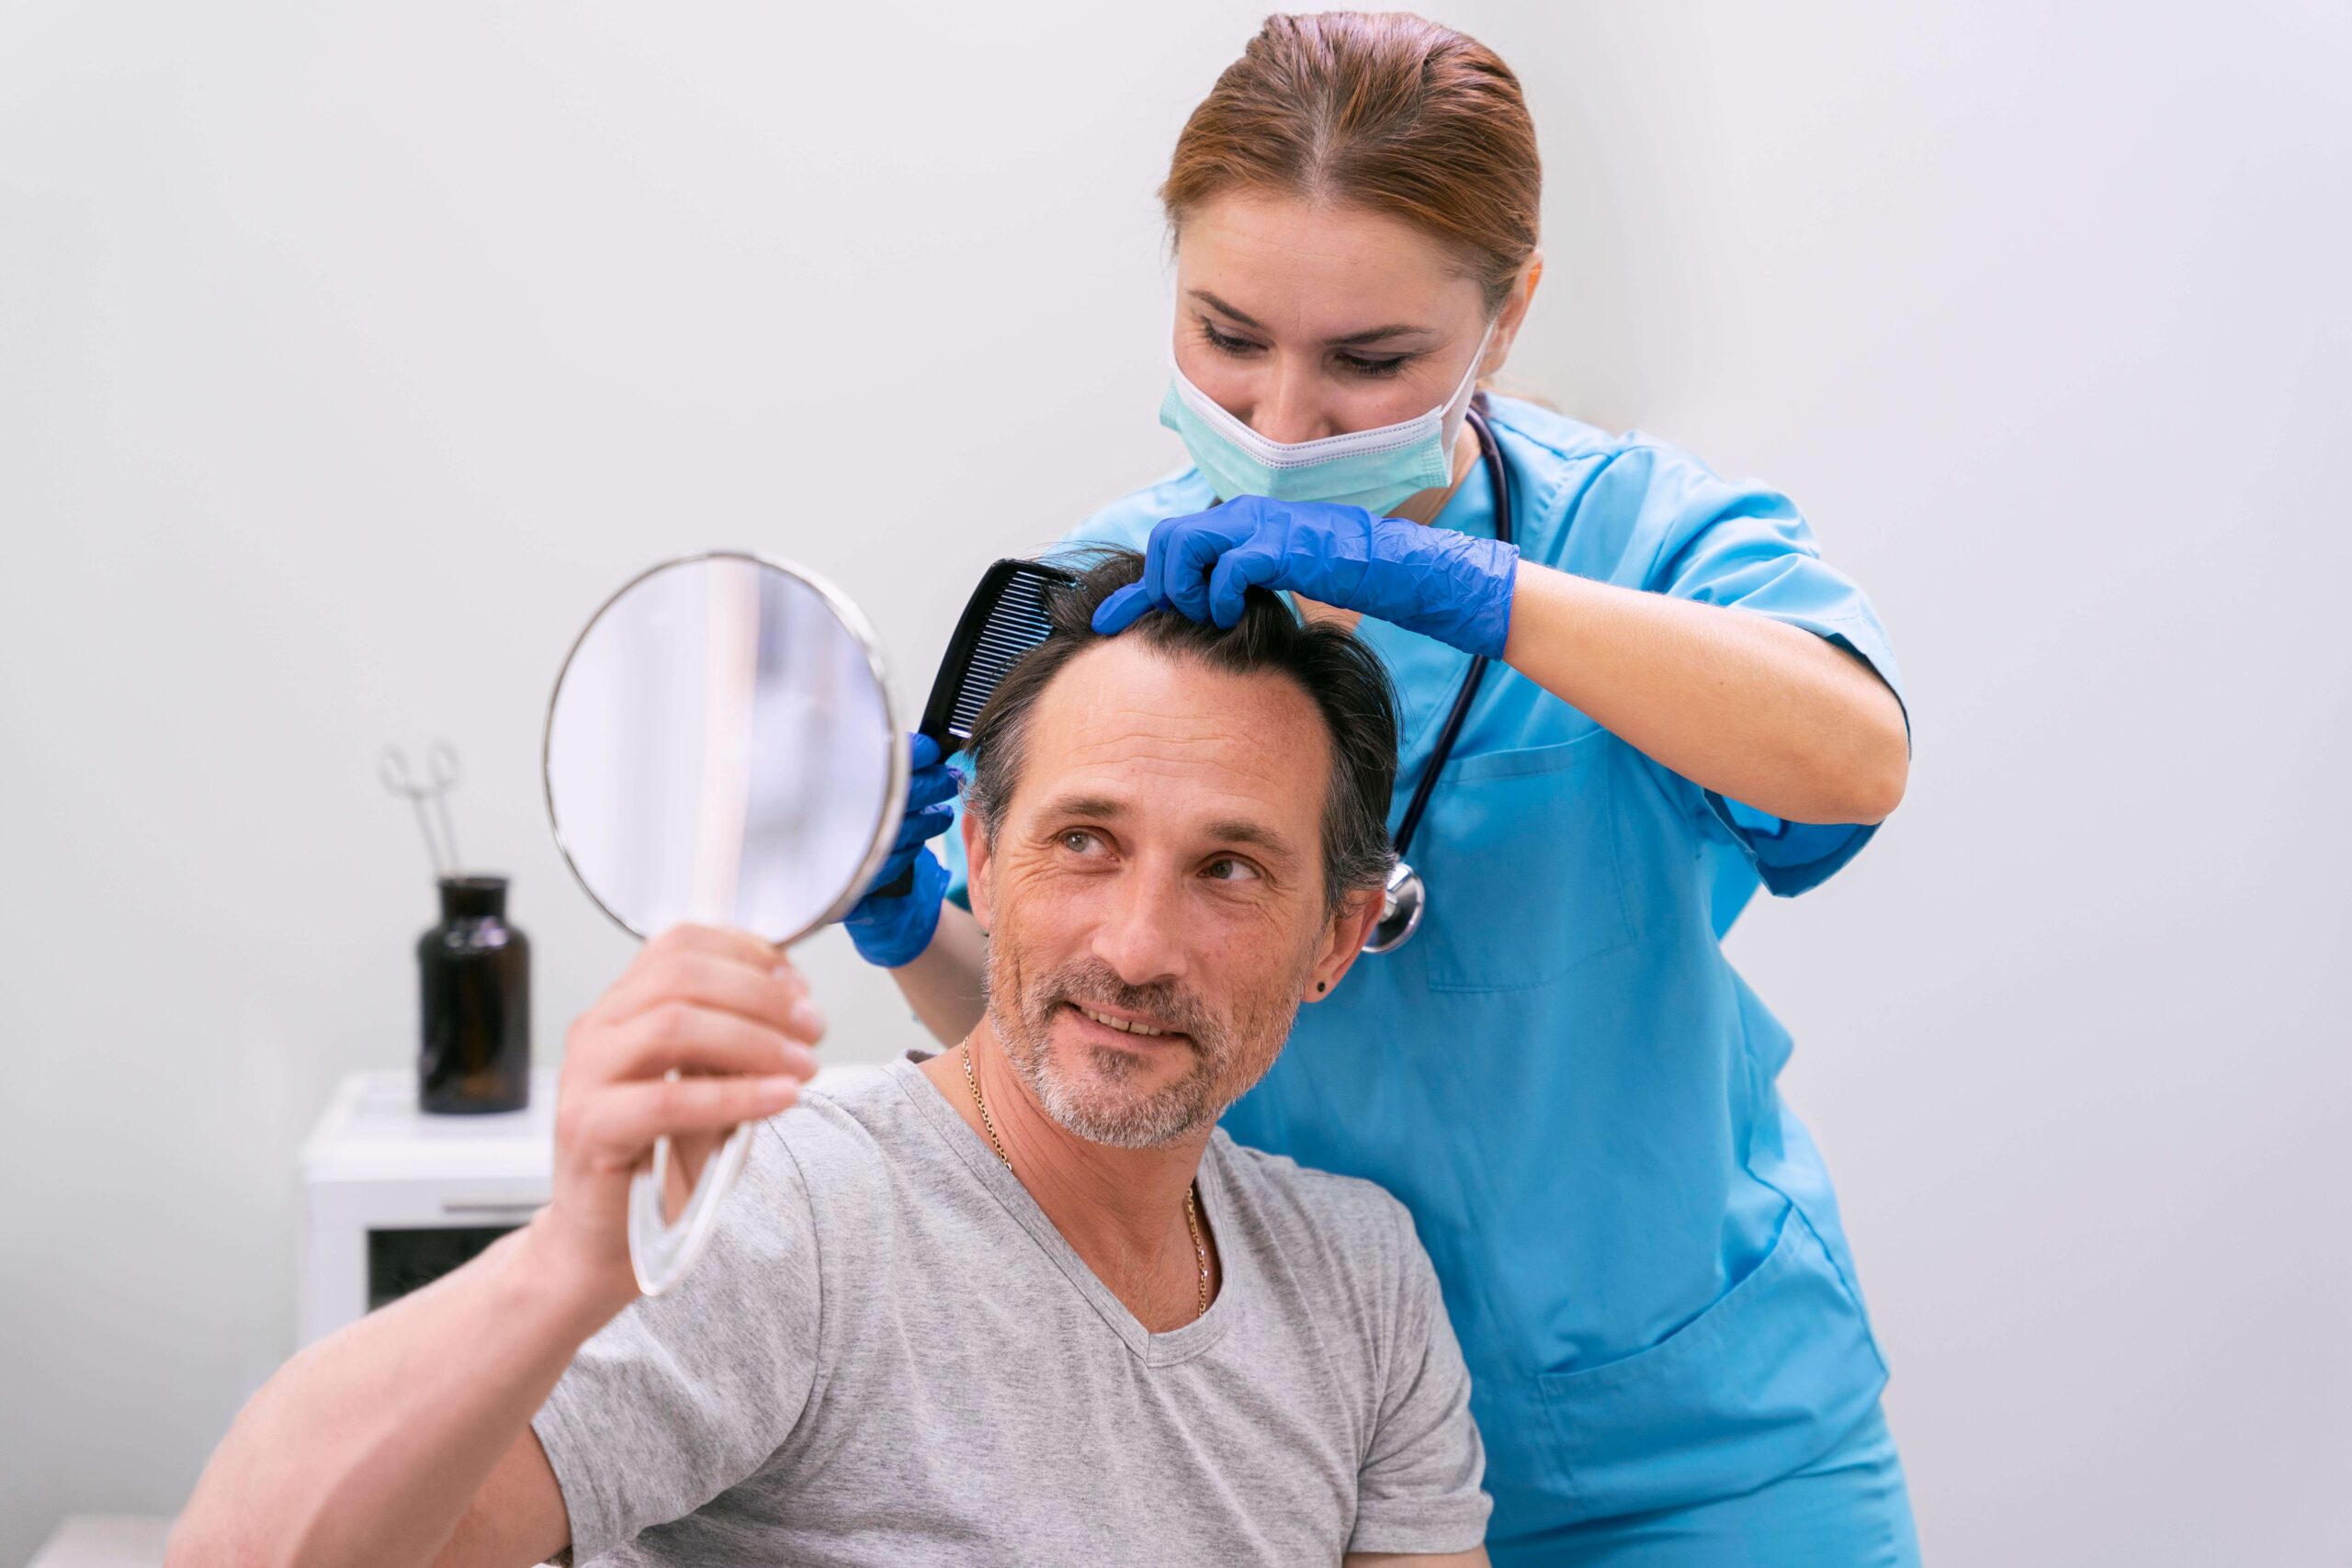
368,1446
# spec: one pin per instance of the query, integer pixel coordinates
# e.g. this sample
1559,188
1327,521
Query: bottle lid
473,897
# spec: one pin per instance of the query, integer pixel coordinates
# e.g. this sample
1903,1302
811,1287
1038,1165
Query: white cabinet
394,1198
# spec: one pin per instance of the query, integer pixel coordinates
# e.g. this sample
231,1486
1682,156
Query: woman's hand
732,1015
1433,580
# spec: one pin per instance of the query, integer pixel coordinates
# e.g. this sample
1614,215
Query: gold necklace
1192,1208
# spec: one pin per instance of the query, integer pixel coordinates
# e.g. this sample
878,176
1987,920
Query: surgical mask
1375,470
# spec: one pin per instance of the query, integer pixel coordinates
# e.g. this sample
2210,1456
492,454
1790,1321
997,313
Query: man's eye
1078,841
1231,868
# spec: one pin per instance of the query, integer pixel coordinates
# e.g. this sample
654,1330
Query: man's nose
1141,933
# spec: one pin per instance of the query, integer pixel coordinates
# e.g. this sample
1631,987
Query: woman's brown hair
1388,112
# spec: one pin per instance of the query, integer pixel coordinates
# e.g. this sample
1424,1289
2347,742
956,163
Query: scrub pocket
1519,851
1754,1388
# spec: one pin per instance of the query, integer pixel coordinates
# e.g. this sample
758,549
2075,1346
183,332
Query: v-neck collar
1237,1279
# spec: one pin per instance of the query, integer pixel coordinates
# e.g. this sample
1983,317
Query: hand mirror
721,747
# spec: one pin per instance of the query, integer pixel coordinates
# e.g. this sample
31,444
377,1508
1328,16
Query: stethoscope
1407,896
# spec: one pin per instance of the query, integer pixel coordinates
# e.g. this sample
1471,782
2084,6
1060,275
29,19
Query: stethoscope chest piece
1400,910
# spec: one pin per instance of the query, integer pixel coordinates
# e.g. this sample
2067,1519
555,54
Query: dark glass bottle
477,1003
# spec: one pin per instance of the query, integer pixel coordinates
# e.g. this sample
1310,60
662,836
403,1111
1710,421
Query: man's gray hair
1344,678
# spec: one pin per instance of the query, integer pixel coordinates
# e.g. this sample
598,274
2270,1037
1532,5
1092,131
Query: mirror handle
661,1253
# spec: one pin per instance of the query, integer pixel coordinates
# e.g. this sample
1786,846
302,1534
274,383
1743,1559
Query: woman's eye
1222,344
1374,369
1231,868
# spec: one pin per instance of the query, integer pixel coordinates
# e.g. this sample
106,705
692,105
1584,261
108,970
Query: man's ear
1343,938
976,861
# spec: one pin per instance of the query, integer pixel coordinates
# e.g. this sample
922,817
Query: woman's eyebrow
1353,340
1222,309
1378,335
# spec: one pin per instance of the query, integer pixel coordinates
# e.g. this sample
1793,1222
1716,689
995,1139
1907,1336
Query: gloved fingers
923,751
894,931
1247,514
920,827
1155,551
929,786
1121,609
1239,571
901,857
1193,546
916,829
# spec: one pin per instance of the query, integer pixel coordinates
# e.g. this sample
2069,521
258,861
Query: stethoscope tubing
1499,479
1406,898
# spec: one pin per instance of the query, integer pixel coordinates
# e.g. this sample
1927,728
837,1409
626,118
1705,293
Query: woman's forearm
1753,708
367,1447
944,984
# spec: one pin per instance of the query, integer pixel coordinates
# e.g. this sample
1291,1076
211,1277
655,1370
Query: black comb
1003,621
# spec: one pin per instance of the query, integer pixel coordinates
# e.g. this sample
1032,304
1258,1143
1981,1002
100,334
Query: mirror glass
721,749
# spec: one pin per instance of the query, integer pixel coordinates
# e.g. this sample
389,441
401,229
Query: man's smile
1132,1028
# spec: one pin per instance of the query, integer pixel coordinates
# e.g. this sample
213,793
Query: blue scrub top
1560,1075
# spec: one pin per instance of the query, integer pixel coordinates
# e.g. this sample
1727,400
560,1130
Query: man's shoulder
1344,1200
1358,1227
848,1137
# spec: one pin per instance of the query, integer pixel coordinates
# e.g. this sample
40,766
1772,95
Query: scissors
440,778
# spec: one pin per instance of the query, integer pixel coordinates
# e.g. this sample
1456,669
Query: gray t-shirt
890,1356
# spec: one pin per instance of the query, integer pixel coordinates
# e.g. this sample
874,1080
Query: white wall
346,360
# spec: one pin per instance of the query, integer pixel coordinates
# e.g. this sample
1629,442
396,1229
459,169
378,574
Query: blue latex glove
892,931
1433,580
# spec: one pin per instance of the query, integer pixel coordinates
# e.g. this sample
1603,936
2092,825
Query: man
1018,1303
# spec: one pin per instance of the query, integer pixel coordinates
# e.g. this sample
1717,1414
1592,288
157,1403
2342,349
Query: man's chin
1121,1095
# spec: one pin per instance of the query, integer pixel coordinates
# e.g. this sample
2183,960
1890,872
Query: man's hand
405,1438
726,1010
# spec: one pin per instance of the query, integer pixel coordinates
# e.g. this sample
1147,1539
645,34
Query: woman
1557,1070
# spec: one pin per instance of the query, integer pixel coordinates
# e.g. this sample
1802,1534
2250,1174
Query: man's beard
1091,1101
